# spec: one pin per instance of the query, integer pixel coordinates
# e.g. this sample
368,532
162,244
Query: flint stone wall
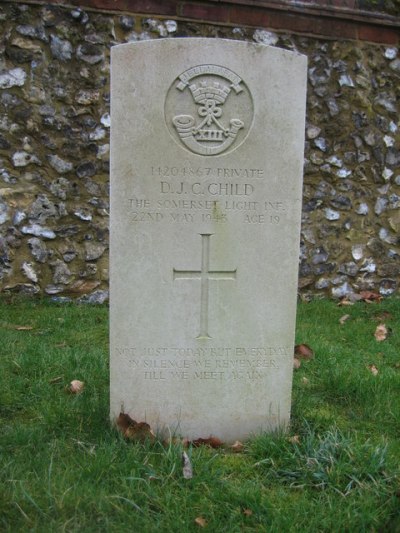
54,152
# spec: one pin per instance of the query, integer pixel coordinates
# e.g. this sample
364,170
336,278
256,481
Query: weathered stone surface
38,231
87,97
61,272
35,32
126,22
96,297
54,289
387,287
68,251
265,37
203,241
23,159
14,77
42,209
29,271
90,53
38,249
86,169
59,164
94,250
23,288
341,291
60,48
4,212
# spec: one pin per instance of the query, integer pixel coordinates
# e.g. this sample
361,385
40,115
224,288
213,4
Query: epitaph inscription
206,164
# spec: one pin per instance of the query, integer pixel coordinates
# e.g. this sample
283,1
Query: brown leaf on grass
237,447
76,386
247,512
345,301
15,327
381,333
212,442
343,319
295,439
303,351
186,466
373,369
61,345
369,296
132,430
140,432
384,315
200,521
124,421
296,363
305,380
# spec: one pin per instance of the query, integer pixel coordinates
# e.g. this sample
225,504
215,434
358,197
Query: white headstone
206,180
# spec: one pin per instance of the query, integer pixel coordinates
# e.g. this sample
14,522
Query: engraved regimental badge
209,109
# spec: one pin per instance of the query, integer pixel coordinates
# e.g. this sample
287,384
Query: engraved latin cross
204,275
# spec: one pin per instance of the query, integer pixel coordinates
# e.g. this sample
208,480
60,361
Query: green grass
63,468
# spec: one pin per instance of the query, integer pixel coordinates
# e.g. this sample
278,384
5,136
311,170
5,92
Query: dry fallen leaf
381,332
132,430
303,351
237,446
124,421
200,521
76,386
186,466
343,319
296,363
384,315
369,296
23,328
212,442
140,432
305,380
373,369
247,512
295,439
345,301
